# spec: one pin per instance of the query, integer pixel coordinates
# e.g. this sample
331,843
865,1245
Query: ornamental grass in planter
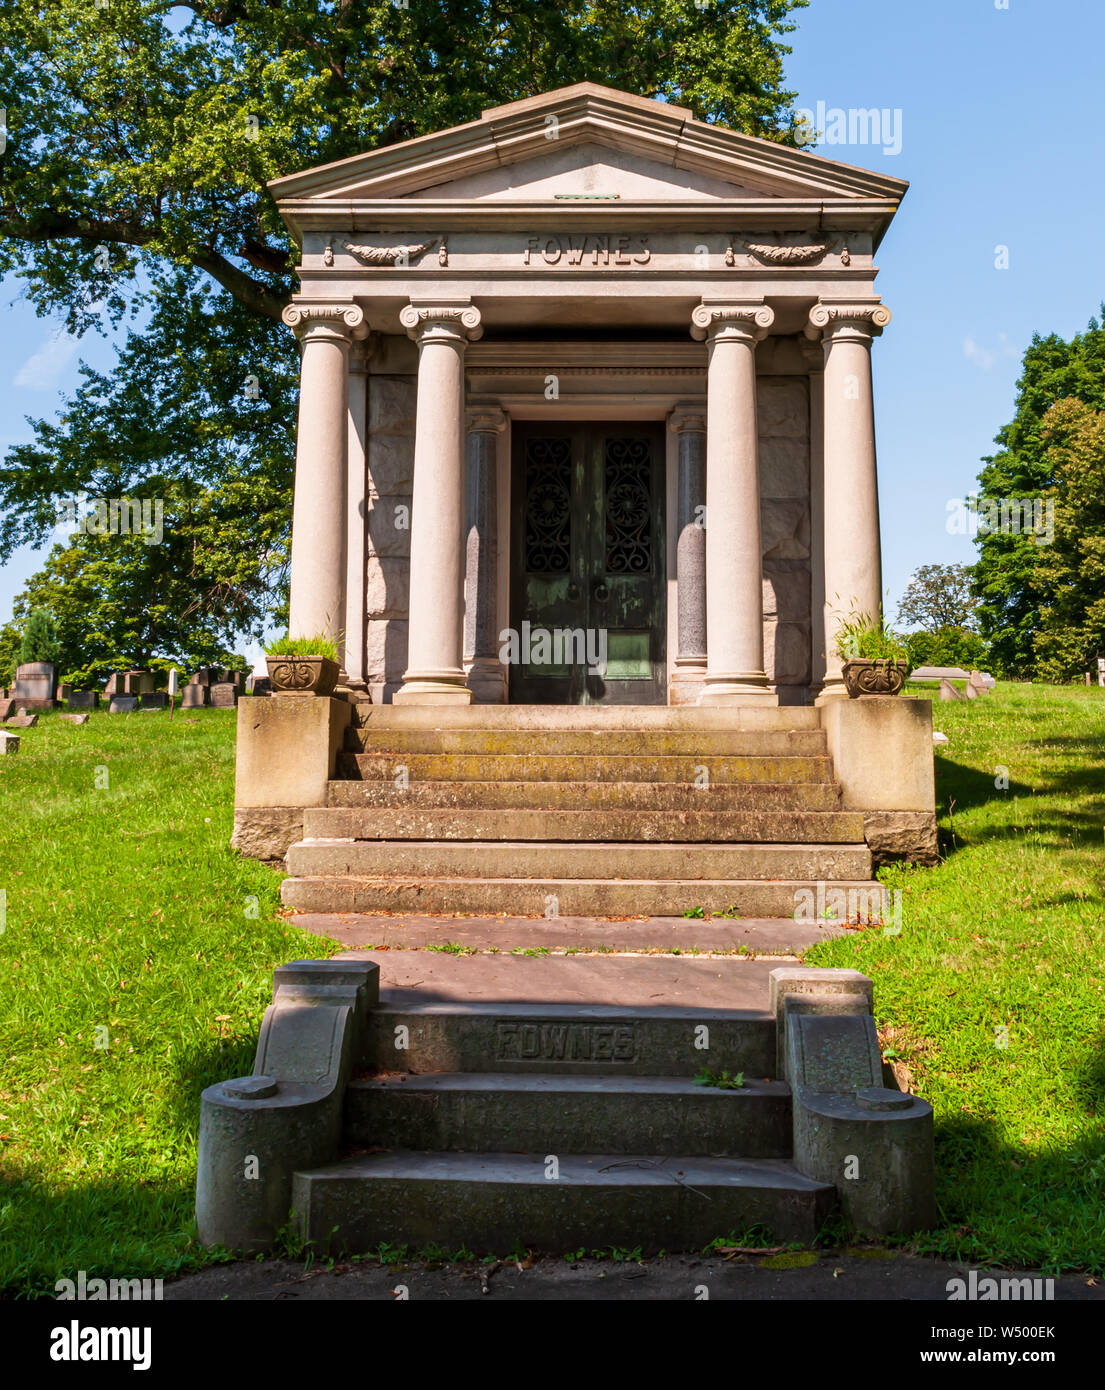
302,665
874,659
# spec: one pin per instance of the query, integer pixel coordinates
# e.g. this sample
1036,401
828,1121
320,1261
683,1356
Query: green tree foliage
948,646
1013,574
1072,568
140,136
40,639
939,596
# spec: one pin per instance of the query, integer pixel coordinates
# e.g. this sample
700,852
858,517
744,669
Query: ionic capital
441,319
839,318
307,319
746,320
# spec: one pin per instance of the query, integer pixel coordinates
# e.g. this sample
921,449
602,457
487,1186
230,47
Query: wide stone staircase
587,810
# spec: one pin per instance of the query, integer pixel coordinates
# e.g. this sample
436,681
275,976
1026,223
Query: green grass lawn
129,920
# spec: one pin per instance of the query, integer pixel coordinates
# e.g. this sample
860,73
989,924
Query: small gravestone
114,684
950,692
122,704
204,676
22,721
977,684
973,692
84,699
938,738
64,691
6,707
35,685
988,681
154,699
74,718
224,695
9,743
195,695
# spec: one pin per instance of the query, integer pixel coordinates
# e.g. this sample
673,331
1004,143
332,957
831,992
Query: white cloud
43,369
985,358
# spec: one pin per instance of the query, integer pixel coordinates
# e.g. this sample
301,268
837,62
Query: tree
140,136
948,646
939,596
1071,568
40,639
1012,579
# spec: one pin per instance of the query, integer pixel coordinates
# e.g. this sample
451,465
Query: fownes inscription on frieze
590,248
554,1041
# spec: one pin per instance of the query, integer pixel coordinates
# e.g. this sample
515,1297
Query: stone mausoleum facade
586,409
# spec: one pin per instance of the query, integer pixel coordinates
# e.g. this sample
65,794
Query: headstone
262,685
978,683
1101,670
224,695
154,699
950,692
137,682
9,743
204,676
64,692
84,699
939,673
114,684
22,721
973,692
939,738
988,681
6,706
35,685
122,704
195,696
74,718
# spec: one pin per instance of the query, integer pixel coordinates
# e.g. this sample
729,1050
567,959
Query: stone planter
867,676
302,675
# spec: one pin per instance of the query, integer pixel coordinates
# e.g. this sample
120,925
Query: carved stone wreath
790,255
387,255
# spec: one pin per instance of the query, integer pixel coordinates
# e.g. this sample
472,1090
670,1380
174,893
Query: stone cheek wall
391,412
783,407
785,508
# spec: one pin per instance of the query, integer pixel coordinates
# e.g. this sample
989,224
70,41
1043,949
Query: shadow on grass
960,788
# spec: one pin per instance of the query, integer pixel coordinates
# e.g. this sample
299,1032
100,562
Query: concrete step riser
535,860
695,1120
711,827
497,1204
640,717
557,743
461,767
561,897
586,796
561,1040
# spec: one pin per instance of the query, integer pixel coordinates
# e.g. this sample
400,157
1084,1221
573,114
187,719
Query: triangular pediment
589,143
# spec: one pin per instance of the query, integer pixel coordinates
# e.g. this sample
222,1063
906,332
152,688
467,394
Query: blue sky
1000,126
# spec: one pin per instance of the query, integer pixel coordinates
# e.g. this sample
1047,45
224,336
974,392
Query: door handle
600,593
573,591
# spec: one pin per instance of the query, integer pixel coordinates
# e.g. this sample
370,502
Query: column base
487,680
687,682
736,691
830,691
433,688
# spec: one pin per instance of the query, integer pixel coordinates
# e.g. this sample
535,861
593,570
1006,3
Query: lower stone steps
584,796
578,897
645,827
525,859
499,1202
476,1111
575,767
554,743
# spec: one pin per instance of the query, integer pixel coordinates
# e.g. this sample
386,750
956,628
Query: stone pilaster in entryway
688,423
487,676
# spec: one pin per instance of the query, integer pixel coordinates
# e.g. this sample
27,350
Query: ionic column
853,557
435,672
734,559
487,677
688,423
325,331
354,674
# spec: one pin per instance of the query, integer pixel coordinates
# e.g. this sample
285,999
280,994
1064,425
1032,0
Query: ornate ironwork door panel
587,575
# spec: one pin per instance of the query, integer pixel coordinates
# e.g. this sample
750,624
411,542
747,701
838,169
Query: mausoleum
586,366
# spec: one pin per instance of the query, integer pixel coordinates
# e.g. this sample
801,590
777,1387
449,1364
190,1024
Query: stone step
506,1111
580,897
588,796
520,767
700,744
715,827
634,717
658,1039
535,860
495,1203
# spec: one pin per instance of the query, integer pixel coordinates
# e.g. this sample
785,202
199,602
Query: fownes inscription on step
565,1042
